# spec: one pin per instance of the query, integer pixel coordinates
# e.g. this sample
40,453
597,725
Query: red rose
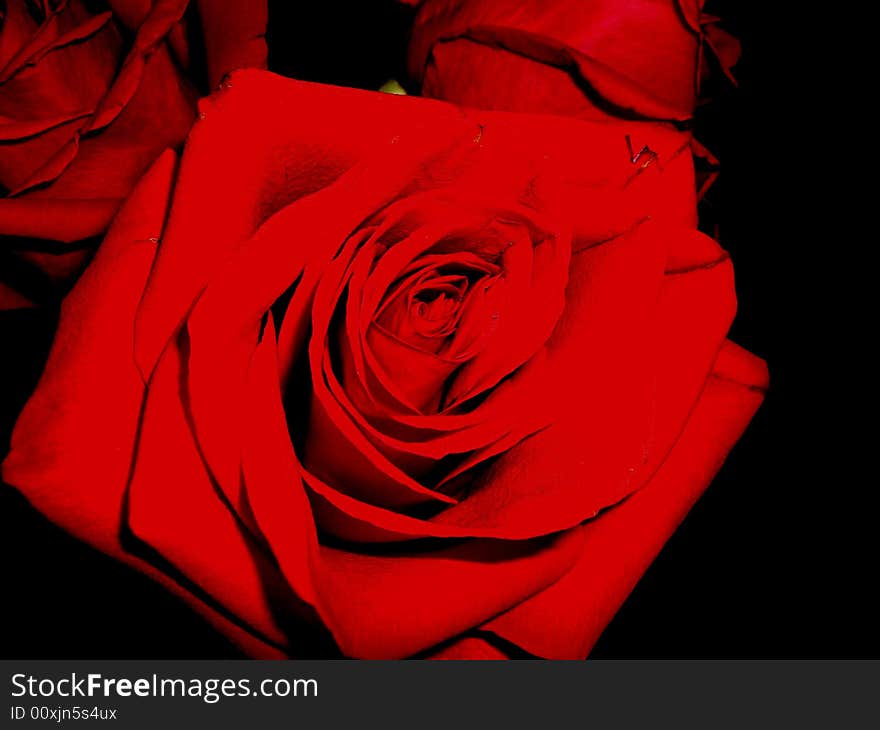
590,59
395,373
90,95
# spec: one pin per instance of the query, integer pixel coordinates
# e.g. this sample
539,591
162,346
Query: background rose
593,59
90,94
587,59
249,453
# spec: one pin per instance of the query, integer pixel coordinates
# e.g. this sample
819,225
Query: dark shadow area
359,44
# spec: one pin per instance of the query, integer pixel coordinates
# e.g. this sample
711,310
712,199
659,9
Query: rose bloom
588,58
91,92
392,379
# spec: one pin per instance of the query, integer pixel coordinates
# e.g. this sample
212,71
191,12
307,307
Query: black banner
221,694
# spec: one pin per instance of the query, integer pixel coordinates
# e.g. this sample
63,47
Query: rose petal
42,108
174,510
58,267
19,27
79,428
622,543
109,163
80,425
594,384
602,44
505,81
392,607
199,240
65,220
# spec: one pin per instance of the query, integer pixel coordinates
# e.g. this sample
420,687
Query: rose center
430,304
435,306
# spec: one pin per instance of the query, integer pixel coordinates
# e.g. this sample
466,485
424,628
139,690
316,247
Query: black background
776,560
